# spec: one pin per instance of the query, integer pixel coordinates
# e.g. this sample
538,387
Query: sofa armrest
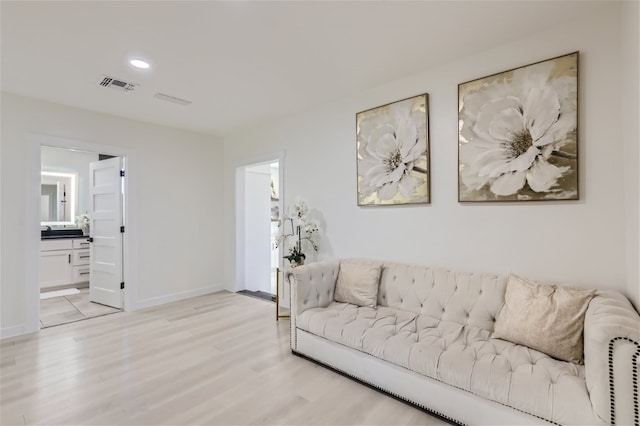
312,286
611,357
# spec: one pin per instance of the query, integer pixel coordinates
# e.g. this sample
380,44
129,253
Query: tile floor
71,308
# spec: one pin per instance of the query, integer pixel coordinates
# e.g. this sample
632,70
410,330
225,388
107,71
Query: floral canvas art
392,145
518,134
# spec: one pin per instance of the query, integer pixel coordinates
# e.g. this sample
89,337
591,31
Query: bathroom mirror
57,198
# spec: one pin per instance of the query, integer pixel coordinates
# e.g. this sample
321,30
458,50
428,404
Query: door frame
32,220
241,167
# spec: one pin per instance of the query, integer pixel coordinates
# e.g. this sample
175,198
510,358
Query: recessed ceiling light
139,63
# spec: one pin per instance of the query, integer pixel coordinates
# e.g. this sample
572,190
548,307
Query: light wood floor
215,359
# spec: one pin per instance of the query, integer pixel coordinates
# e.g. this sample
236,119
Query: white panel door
106,220
258,230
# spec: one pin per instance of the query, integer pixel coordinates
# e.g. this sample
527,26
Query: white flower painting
518,134
392,153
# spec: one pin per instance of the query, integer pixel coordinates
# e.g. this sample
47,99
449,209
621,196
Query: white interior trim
32,222
161,300
240,167
7,332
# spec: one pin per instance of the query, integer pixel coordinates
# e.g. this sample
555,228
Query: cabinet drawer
80,274
61,244
81,243
81,257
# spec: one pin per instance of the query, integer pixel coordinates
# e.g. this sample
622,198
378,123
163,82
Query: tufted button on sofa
429,342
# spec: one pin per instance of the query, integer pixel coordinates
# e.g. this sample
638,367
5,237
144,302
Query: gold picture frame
518,133
392,151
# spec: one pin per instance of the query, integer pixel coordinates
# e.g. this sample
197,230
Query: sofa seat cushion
460,355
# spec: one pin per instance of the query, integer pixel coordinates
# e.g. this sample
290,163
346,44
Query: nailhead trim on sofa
634,360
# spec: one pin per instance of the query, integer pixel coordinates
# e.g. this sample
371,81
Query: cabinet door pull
69,258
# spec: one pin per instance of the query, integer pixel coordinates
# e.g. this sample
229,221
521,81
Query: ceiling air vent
114,83
171,99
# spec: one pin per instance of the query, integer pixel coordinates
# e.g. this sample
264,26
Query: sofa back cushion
464,298
358,282
548,318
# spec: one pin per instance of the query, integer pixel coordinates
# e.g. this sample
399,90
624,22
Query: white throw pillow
358,282
547,318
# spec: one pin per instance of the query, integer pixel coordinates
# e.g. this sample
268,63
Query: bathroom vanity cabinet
64,262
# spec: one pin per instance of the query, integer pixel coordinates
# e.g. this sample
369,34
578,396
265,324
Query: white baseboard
161,300
16,330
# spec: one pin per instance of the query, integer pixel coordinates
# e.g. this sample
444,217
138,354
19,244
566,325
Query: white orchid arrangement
83,220
297,227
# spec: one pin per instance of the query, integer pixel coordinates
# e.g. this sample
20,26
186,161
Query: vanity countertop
57,233
59,237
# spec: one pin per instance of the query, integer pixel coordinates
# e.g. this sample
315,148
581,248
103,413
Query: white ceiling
242,63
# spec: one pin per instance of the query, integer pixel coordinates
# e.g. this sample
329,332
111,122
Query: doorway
31,228
258,205
73,260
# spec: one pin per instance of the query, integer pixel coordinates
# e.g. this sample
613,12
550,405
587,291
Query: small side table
278,316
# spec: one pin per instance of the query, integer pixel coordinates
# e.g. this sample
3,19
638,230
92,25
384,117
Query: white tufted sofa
429,342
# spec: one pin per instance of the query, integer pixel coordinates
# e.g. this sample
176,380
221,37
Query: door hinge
122,229
122,173
122,285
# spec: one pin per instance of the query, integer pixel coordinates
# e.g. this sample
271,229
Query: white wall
630,112
178,222
580,242
67,161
